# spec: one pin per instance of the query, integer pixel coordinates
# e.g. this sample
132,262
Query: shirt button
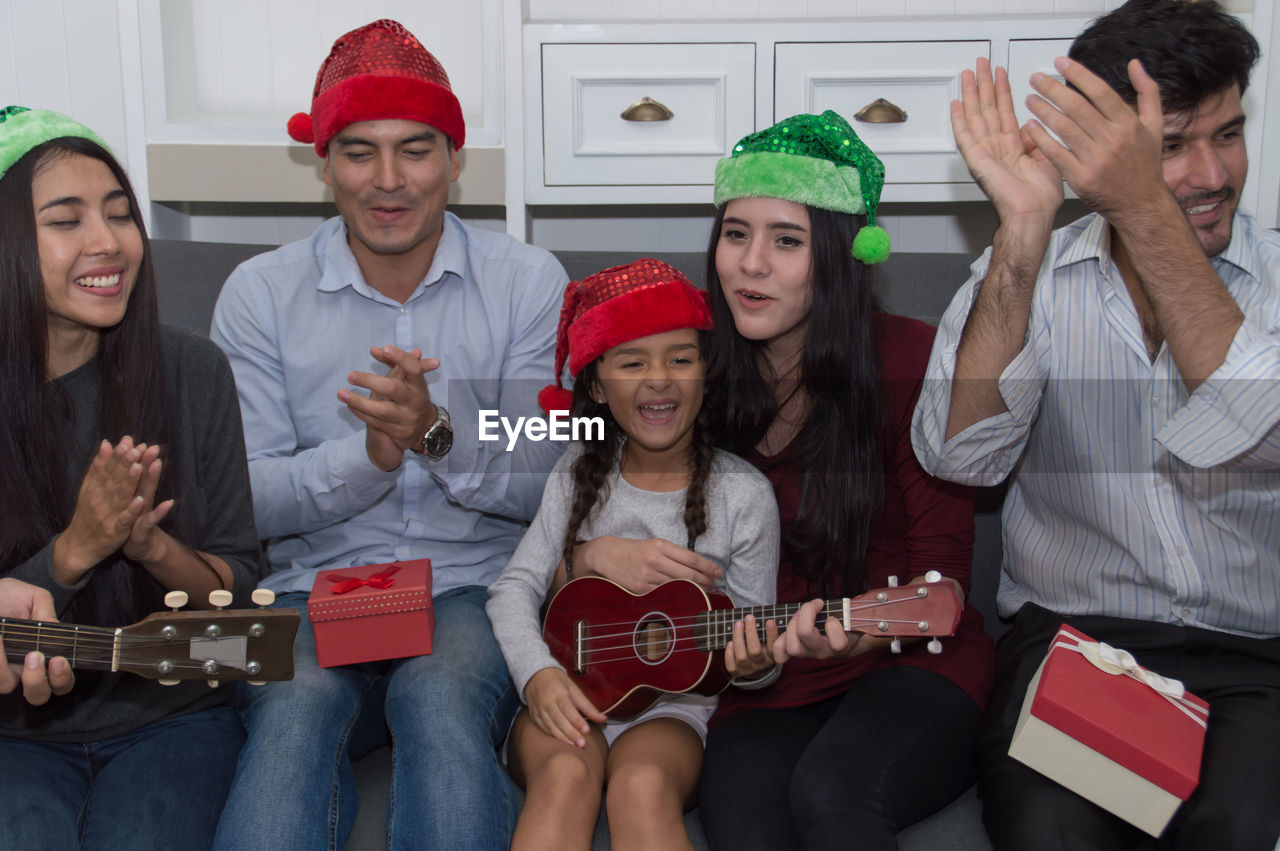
402,553
1155,400
403,311
1185,612
1180,551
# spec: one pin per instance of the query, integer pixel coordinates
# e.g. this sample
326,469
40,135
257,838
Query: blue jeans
446,714
158,787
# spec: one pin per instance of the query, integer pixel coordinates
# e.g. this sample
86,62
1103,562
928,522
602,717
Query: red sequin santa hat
378,72
614,306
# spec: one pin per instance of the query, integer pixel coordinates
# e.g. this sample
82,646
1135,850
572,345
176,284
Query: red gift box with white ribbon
1126,738
378,611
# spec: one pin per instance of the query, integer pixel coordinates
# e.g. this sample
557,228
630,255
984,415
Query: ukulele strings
677,644
831,610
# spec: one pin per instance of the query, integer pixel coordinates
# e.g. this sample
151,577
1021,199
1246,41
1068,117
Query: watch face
439,441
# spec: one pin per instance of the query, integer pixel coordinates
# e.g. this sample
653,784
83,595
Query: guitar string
831,610
629,651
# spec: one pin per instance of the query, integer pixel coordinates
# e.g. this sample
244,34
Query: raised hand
146,543
559,708
642,565
746,655
398,408
1112,155
107,507
1005,162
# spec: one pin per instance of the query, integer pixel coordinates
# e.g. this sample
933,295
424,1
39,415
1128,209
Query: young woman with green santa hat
815,385
125,477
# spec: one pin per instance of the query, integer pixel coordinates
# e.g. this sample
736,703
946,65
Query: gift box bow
381,579
1117,662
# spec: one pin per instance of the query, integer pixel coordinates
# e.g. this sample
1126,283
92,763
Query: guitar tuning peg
167,682
213,683
933,576
220,599
934,646
895,646
175,599
893,582
263,596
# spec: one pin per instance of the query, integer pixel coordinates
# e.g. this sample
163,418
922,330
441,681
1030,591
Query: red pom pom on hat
300,128
553,398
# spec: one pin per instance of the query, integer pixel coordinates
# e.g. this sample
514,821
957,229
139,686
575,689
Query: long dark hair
37,501
591,470
839,445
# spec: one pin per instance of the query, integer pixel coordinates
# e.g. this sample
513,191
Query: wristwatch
437,440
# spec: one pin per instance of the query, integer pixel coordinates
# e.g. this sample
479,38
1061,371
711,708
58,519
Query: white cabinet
653,114
917,79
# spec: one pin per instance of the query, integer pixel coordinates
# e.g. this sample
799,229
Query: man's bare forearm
996,329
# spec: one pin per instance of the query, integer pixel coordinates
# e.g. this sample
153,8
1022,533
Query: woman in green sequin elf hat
125,478
859,736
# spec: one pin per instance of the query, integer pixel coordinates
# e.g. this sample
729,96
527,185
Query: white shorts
693,709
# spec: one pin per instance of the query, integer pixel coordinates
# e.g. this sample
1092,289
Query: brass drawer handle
880,111
647,109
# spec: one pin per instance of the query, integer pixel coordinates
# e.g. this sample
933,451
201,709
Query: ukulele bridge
579,647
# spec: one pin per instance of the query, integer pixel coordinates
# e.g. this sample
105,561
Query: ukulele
234,644
625,650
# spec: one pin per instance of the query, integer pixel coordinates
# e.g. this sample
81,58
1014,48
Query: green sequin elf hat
811,159
22,129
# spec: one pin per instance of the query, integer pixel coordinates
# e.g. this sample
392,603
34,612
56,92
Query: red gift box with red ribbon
378,611
1112,731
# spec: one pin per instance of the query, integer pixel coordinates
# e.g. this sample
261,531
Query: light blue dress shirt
296,321
1130,497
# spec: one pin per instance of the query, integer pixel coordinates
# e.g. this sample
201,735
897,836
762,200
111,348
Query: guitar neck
92,647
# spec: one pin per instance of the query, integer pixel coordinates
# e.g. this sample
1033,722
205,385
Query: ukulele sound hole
654,638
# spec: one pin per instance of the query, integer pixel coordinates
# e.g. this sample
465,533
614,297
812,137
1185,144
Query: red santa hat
378,72
614,306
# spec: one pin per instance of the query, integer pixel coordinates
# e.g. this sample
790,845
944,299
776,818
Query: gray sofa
190,275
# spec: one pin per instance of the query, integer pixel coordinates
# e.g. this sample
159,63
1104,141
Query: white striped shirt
1131,498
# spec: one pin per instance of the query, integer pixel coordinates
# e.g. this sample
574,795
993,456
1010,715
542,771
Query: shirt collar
1093,242
341,269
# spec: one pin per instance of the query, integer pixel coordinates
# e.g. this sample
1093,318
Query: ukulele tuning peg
263,596
175,599
167,682
934,646
895,646
220,599
893,582
933,576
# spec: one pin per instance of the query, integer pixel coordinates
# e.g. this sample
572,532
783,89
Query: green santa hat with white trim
811,159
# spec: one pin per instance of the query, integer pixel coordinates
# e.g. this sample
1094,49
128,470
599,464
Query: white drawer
921,78
709,88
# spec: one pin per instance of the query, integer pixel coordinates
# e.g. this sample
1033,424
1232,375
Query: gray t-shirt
742,538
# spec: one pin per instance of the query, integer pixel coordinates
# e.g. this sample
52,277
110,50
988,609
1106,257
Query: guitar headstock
231,644
928,609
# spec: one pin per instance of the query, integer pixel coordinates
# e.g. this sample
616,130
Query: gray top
741,537
209,445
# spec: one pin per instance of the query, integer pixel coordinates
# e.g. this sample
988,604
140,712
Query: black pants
1236,805
845,773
